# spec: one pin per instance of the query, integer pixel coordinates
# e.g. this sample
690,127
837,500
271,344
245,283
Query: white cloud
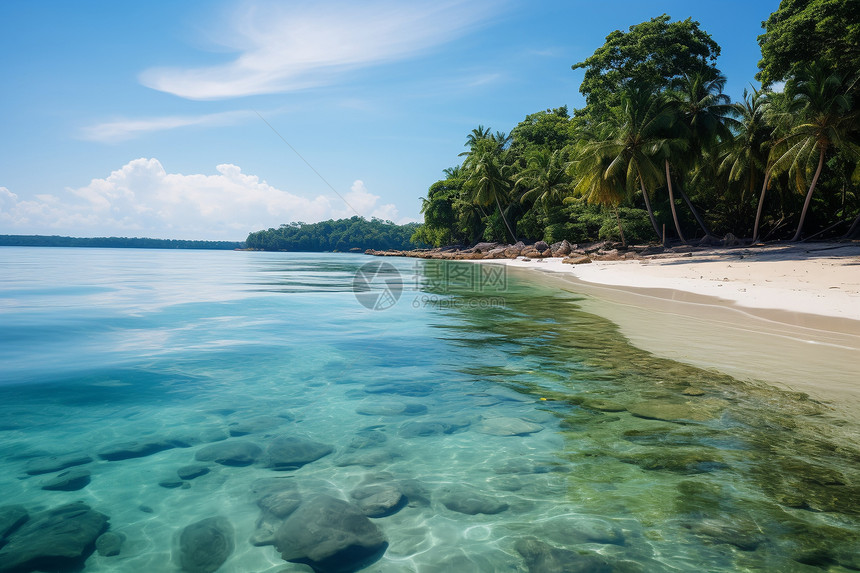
143,199
123,129
284,48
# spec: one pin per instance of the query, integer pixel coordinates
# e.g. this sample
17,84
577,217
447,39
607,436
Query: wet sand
787,316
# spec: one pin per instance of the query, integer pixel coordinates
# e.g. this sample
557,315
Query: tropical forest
661,153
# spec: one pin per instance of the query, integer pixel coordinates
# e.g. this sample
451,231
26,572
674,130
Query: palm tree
487,181
705,112
820,107
592,185
633,139
476,135
747,151
544,179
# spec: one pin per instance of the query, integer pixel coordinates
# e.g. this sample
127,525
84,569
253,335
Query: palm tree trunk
648,207
809,195
672,204
621,229
502,213
760,206
694,211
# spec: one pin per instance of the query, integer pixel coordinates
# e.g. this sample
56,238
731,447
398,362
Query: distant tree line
356,233
113,242
659,145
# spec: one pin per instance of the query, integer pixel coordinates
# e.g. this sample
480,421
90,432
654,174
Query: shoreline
766,315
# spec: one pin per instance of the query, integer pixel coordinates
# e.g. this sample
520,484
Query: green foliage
659,142
801,32
113,242
650,55
356,233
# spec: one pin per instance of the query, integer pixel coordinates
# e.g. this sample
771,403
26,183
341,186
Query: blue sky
141,118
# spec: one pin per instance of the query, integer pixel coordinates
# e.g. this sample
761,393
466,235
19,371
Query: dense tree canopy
650,55
356,233
804,31
660,146
113,242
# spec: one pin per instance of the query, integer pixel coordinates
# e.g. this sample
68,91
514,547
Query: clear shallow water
642,463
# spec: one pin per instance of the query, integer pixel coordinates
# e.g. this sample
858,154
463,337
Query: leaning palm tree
747,154
544,179
487,181
704,113
631,143
821,115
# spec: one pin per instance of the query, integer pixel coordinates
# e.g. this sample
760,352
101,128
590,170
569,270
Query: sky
212,119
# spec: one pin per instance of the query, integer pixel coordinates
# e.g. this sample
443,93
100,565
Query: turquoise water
583,452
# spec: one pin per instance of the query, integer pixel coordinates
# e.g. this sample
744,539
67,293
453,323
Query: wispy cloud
123,129
287,48
143,199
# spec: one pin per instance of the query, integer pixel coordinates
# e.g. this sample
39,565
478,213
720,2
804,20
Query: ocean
338,412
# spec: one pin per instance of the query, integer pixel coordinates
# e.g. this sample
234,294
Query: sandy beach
785,314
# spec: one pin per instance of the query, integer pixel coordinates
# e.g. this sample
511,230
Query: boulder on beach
576,260
330,535
230,453
292,452
205,545
57,539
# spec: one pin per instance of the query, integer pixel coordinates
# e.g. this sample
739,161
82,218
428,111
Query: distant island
353,234
113,242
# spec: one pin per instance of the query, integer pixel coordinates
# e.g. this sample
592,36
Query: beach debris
205,545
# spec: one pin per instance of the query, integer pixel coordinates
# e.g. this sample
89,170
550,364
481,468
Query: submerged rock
389,408
469,501
255,425
70,480
542,557
504,426
11,518
292,452
55,463
60,538
139,449
673,411
378,496
416,389
109,544
435,428
204,546
192,471
580,529
330,535
229,453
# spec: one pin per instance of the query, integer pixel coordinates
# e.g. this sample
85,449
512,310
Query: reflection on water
524,436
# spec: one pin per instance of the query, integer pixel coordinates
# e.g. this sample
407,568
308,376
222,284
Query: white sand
785,315
820,279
